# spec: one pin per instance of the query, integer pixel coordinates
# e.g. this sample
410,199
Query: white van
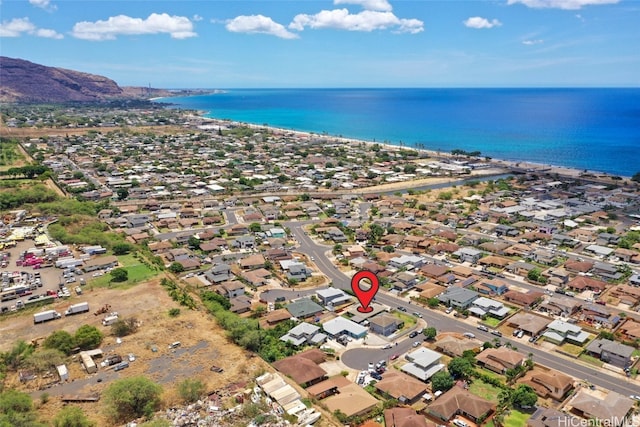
460,423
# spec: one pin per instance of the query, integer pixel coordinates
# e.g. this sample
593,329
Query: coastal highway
358,358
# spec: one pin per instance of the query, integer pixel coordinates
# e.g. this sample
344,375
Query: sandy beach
496,166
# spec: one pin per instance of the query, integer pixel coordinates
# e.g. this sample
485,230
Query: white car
131,357
387,347
416,344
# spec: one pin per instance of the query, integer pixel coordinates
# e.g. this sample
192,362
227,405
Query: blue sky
333,43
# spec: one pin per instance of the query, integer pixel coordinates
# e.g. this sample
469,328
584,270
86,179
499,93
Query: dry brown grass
149,303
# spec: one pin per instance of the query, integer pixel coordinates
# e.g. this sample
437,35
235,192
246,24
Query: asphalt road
360,357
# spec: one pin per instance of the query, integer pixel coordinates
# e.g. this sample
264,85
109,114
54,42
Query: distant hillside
24,81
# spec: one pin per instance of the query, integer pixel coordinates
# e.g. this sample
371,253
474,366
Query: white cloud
258,24
478,22
562,4
367,20
197,18
43,4
178,27
19,26
381,5
532,42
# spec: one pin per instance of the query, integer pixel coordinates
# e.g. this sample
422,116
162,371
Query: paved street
359,358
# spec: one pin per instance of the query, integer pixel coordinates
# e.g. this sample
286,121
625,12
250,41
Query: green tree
255,227
430,333
441,381
18,353
190,390
122,193
131,398
535,275
460,367
44,360
71,416
193,242
60,340
524,396
122,248
119,275
16,410
176,267
375,232
88,337
124,327
433,302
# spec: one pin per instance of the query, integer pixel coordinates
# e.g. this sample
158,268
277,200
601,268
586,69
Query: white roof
340,325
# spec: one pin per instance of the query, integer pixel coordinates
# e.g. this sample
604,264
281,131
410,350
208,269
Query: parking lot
50,277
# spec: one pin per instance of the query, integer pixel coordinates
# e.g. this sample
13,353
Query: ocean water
592,129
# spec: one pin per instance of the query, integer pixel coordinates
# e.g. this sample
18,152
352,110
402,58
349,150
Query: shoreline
496,164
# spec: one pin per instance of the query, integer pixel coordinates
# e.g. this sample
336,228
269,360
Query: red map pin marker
365,295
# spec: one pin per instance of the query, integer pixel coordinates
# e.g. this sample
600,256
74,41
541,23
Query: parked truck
81,307
110,319
45,316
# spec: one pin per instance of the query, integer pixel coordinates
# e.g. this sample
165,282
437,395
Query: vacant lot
203,344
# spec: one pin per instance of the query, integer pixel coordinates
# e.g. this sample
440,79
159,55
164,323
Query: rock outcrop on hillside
24,81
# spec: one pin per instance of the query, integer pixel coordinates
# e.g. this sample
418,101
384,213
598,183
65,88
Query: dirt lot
203,344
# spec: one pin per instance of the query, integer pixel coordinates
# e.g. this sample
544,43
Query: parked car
402,309
394,357
387,347
468,335
413,334
483,328
496,333
416,344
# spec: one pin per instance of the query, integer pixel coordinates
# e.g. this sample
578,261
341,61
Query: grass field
571,349
484,390
491,321
138,272
590,359
516,419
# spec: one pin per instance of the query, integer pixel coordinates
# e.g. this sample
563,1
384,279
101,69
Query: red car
394,357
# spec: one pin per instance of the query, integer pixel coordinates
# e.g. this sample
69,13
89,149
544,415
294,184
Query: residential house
422,363
500,359
405,389
298,272
557,276
520,268
491,287
629,330
458,401
230,289
218,273
548,383
543,256
549,417
403,417
240,304
582,283
351,400
599,315
333,296
469,255
525,299
304,334
244,242
433,270
304,308
459,298
384,324
612,352
408,262
612,410
483,307
454,346
559,331
530,323
341,326
560,305
404,280
303,367
252,262
606,271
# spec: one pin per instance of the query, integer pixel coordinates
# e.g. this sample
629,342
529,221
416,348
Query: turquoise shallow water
594,129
